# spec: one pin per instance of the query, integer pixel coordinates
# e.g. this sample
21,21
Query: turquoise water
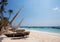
53,30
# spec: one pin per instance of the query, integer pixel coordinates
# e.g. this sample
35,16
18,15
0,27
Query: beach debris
6,27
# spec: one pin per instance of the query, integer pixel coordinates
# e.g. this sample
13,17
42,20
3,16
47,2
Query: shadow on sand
1,39
15,38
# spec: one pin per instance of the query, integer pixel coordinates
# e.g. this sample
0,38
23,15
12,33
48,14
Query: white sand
37,36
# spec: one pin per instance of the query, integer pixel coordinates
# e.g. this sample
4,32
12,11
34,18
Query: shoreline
43,32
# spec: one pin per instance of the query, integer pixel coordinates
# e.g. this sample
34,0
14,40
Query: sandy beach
36,36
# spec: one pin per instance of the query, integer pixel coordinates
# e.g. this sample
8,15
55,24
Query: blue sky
36,12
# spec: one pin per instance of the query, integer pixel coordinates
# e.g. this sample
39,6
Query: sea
44,29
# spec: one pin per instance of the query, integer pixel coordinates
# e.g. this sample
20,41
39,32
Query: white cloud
56,8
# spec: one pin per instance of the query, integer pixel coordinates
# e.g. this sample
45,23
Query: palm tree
2,8
10,11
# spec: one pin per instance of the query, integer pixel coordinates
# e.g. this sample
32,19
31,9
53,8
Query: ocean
46,29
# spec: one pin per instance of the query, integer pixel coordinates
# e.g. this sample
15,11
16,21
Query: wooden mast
15,16
20,23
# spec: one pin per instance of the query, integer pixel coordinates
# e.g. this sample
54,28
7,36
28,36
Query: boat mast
18,26
15,16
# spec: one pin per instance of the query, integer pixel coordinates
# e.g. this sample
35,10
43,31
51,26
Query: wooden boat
21,34
14,35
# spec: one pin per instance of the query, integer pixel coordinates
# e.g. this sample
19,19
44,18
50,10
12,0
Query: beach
36,36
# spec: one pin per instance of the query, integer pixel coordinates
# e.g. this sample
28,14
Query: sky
36,12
